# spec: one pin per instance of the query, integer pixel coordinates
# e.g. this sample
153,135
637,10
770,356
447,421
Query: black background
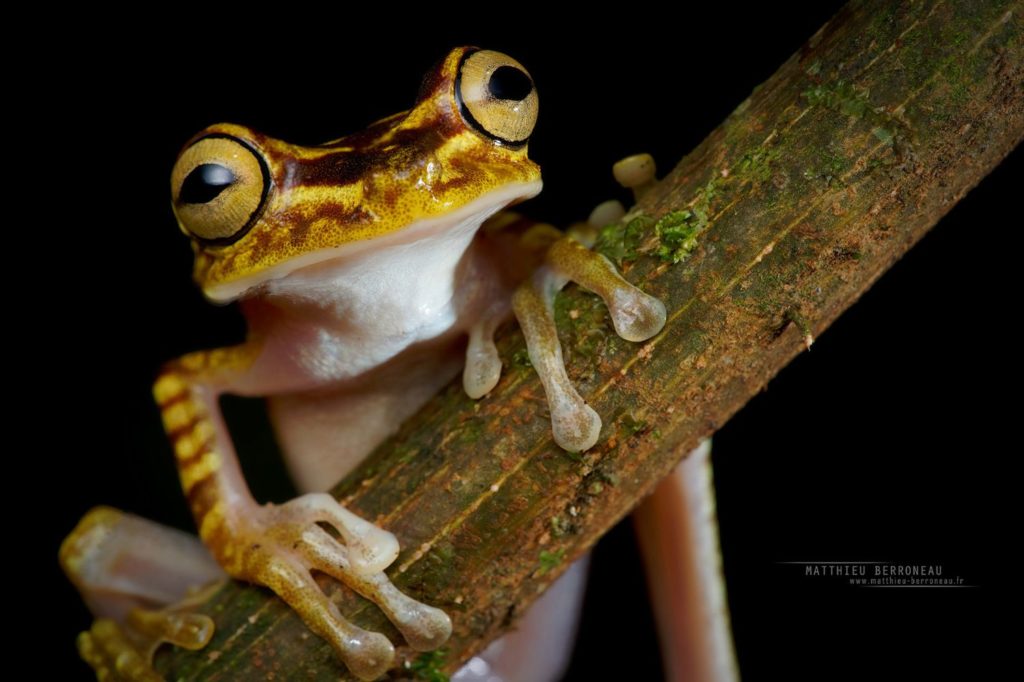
881,443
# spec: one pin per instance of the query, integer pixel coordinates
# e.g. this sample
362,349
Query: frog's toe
424,627
112,655
637,173
637,316
605,213
369,548
367,654
483,365
575,426
125,652
120,562
290,543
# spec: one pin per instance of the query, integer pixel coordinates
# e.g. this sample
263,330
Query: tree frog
361,267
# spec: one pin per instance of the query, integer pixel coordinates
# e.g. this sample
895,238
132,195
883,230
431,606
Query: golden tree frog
361,267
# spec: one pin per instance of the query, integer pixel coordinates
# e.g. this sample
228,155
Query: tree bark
756,242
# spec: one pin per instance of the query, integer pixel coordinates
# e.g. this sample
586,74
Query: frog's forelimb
636,316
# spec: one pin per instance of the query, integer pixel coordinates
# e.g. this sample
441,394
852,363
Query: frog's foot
120,563
279,546
117,652
635,315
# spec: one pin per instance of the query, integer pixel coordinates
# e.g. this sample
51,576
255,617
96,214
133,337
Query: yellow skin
360,269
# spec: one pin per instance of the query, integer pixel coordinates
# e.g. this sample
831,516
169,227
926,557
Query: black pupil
204,183
508,82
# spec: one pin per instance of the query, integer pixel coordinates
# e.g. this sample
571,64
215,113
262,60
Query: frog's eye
219,185
496,96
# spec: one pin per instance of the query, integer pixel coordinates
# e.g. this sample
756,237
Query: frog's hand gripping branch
635,315
278,546
274,546
676,525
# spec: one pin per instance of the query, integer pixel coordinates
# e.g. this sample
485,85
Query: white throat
385,294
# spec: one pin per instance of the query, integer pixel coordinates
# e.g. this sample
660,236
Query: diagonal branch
756,242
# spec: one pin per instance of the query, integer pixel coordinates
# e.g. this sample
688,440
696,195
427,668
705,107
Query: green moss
471,430
407,454
427,666
521,358
677,231
840,96
620,244
829,165
956,73
882,134
583,325
574,456
756,164
550,560
801,324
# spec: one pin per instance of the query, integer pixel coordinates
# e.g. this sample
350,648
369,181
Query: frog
372,270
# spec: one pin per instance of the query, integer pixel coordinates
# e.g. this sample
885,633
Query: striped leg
278,546
271,545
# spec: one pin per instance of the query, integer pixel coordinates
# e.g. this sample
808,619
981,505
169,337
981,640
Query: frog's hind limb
129,570
678,537
278,546
676,525
677,534
141,579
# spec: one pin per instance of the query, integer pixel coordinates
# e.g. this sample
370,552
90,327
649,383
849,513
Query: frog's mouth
463,221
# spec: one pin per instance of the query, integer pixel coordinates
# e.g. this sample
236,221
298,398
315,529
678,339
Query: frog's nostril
205,183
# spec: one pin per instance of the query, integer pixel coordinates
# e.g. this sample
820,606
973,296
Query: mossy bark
779,220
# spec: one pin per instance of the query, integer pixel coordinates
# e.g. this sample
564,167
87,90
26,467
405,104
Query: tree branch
780,219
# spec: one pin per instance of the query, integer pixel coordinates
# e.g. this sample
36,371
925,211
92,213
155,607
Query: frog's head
257,208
